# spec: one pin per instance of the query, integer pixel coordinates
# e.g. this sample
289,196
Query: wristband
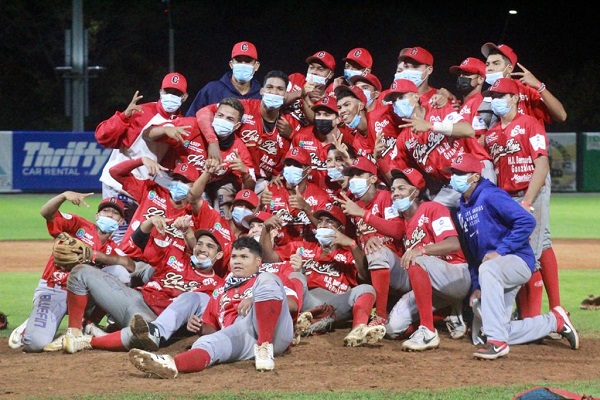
444,127
541,87
525,203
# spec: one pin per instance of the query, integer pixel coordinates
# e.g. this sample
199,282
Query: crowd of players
396,208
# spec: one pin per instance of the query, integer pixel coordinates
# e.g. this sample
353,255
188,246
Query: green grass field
574,216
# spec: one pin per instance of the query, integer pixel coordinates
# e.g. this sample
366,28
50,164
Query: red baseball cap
215,234
503,85
369,78
174,80
260,216
298,154
247,196
343,91
328,102
244,49
503,49
186,171
362,164
469,65
360,56
410,175
418,54
324,58
112,202
466,163
401,86
332,211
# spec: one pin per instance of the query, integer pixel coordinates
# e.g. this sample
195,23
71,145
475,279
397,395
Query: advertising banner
563,161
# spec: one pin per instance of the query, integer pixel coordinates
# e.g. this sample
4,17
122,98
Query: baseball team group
272,211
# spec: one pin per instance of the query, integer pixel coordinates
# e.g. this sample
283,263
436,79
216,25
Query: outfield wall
56,161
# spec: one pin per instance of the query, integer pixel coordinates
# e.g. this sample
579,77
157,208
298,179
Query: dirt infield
320,360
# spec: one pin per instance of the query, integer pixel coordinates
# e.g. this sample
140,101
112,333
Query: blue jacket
215,91
493,221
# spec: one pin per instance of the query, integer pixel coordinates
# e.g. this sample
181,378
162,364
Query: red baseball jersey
80,228
174,274
513,150
222,308
334,271
431,224
531,103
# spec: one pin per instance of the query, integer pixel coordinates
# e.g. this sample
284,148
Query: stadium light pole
167,11
510,12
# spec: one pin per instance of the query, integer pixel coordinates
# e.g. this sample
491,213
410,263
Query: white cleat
422,339
155,365
263,357
15,339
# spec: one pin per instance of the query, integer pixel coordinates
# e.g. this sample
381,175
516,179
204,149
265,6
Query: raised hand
77,198
236,164
266,196
178,132
349,207
526,77
153,167
297,201
133,107
296,260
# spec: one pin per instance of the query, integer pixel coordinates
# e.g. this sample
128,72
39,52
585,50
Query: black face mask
323,126
226,142
463,85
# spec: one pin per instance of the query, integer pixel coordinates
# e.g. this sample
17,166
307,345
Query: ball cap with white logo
401,86
326,102
247,196
244,49
331,211
466,163
360,56
418,54
186,171
112,202
174,80
503,85
298,154
503,49
469,65
323,58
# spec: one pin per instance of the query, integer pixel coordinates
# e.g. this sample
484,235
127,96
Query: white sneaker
15,339
72,344
363,334
55,345
422,339
155,365
146,334
93,330
456,326
263,357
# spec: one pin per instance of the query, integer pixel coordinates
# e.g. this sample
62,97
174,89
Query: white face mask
325,236
222,127
272,101
239,213
293,175
492,77
412,75
170,102
317,80
358,186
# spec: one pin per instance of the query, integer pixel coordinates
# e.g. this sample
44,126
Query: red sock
193,360
550,276
529,298
76,304
296,286
267,313
421,286
362,309
111,342
380,279
410,330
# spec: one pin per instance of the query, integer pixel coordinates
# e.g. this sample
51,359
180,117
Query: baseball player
496,230
247,318
123,133
436,266
351,103
50,296
357,62
371,87
175,273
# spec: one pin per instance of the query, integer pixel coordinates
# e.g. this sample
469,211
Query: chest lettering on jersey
363,228
153,211
197,160
250,136
270,267
390,144
497,150
269,147
417,236
320,268
421,151
175,281
317,162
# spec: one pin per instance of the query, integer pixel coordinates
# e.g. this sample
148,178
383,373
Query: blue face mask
239,213
334,173
492,77
368,93
204,264
500,107
178,190
293,175
398,75
243,72
358,186
317,80
460,183
272,101
325,236
355,121
222,127
349,73
170,102
412,75
106,225
403,108
403,204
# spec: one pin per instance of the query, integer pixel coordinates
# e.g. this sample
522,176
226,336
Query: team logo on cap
244,47
459,160
175,79
357,53
295,151
496,84
183,167
355,161
325,100
414,51
321,54
246,194
394,85
465,62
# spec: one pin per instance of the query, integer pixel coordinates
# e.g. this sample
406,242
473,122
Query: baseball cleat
16,337
422,339
565,327
302,324
93,330
155,365
263,357
362,334
492,350
73,344
55,345
356,336
145,333
456,326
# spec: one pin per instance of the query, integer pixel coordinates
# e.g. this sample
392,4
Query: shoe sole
15,338
563,313
430,346
481,356
141,331
374,334
55,345
69,345
265,368
303,323
143,361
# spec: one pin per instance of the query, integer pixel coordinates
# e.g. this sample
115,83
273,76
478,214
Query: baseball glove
323,318
3,321
69,251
